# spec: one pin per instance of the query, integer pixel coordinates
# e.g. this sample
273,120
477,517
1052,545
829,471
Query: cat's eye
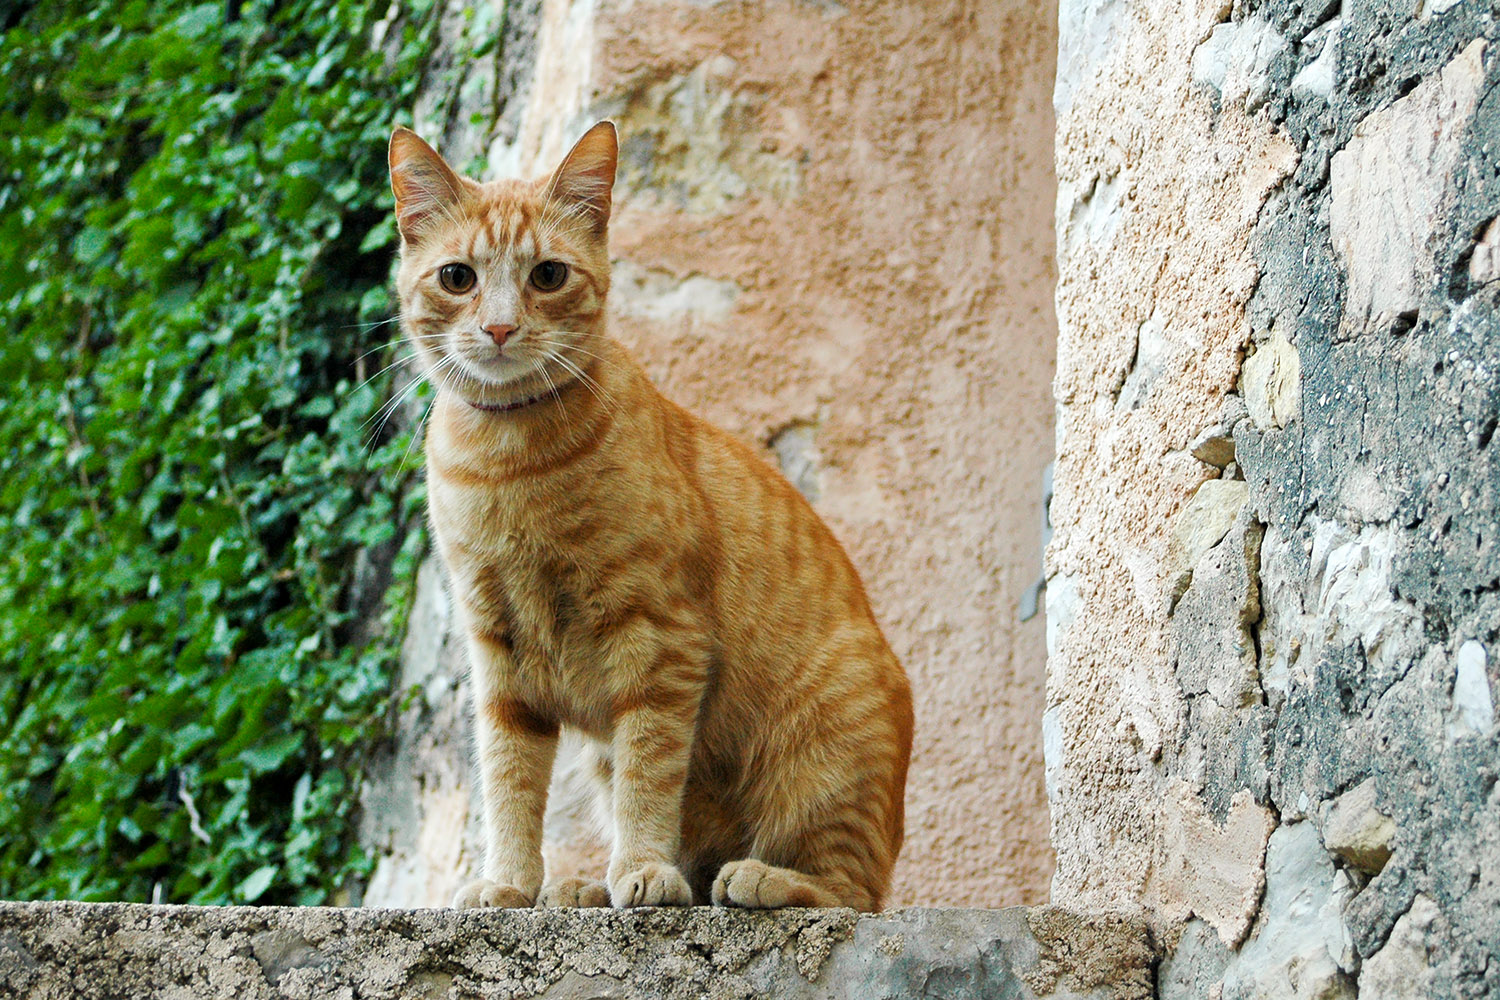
549,275
456,278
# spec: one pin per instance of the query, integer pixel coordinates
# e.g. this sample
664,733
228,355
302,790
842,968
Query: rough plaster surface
1329,666
832,238
62,951
1159,190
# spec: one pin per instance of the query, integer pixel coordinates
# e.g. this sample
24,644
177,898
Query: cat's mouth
495,366
491,378
529,364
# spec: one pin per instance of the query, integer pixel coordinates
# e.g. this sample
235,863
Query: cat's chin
500,376
486,391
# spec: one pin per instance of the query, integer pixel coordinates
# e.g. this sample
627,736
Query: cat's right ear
424,185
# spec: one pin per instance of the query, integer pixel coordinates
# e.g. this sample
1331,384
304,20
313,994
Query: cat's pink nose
500,332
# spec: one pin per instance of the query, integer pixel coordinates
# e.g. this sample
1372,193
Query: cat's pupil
456,278
549,274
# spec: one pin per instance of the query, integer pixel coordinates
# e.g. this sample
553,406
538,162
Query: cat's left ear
424,185
587,174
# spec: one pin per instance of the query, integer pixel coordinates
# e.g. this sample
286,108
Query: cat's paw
574,891
485,893
650,884
758,886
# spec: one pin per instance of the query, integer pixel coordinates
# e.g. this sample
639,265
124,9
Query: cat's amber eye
456,278
549,275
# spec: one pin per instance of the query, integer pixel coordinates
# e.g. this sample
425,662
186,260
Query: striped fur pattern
622,568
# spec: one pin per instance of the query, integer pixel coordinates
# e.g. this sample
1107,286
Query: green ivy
209,544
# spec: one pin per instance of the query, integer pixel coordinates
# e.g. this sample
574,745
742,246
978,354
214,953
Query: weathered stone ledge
50,951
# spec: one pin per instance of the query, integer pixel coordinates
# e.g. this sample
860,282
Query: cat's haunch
625,569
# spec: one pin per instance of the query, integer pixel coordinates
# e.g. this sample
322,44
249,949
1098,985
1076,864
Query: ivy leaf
195,22
89,244
380,236
270,755
255,886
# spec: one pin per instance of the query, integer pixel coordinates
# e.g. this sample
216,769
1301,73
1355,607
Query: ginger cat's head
503,284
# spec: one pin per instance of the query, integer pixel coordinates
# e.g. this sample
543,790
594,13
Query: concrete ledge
51,951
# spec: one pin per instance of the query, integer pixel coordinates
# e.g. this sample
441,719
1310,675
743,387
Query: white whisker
588,383
389,367
370,326
437,372
578,350
421,429
388,409
583,375
378,347
552,388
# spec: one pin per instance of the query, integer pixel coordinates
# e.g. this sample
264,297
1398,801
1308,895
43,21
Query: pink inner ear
418,197
423,183
587,173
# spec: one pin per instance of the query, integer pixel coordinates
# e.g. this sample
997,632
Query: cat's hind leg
824,834
844,860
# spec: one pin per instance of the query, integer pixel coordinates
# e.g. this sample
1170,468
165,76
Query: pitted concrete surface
50,951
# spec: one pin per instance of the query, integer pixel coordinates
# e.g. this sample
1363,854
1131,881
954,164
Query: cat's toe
738,884
651,884
484,893
573,891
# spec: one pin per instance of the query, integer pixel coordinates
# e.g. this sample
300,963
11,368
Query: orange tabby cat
625,569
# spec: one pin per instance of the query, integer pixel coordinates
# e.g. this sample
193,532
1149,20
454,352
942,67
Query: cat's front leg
652,745
517,748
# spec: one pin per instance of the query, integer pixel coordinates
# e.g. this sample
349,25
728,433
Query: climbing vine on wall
207,550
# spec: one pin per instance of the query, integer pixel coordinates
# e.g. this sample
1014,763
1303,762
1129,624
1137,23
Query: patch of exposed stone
1343,670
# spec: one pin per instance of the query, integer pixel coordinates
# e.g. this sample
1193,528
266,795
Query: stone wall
83,951
832,238
1274,594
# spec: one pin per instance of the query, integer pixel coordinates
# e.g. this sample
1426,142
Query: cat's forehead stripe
504,226
520,231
